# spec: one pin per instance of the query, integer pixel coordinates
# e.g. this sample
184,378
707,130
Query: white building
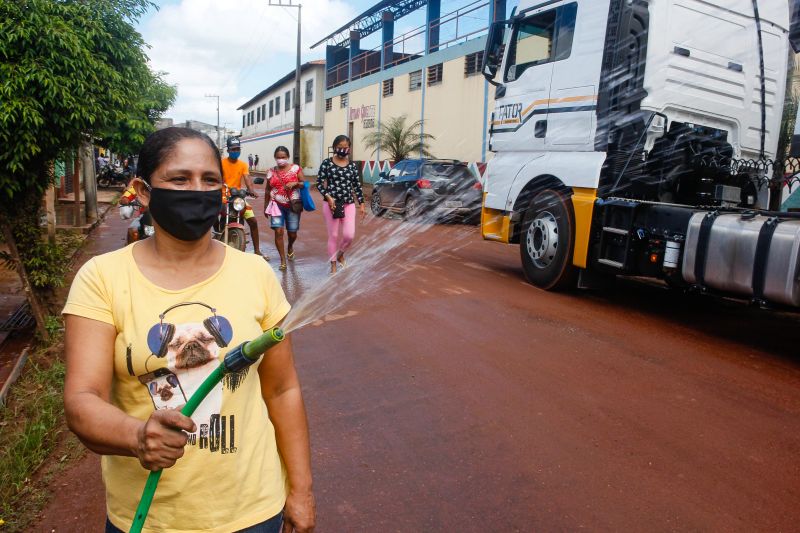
268,119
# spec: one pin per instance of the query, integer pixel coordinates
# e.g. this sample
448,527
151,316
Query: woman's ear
142,191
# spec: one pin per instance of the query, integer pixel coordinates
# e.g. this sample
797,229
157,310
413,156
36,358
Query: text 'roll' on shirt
231,476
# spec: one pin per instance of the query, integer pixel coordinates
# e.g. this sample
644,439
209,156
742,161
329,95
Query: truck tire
547,241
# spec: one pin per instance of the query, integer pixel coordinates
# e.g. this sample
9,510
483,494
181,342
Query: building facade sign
365,113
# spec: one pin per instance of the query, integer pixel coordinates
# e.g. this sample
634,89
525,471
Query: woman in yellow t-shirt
146,324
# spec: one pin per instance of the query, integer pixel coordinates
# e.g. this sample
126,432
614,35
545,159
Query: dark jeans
273,525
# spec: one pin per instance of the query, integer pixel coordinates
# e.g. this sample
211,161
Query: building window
271,110
344,100
277,105
309,91
388,87
472,64
435,74
328,104
244,120
248,118
287,101
263,111
258,114
415,80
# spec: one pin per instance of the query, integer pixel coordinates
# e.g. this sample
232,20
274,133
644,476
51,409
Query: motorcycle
141,225
111,176
229,227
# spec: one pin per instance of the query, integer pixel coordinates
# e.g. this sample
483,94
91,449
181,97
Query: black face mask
186,215
342,152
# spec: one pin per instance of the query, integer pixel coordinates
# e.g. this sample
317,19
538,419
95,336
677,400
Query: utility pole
297,97
219,141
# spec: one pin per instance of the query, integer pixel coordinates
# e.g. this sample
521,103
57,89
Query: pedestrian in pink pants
337,181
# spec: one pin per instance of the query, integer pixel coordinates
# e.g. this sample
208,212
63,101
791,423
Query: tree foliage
68,69
127,135
399,140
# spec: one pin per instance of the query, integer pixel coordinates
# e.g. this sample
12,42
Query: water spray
235,360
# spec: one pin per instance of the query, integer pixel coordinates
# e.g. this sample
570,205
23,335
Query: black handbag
338,209
296,205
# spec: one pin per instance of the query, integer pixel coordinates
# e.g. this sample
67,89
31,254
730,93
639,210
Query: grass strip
31,425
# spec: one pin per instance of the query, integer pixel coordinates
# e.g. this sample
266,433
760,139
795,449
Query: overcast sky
233,48
237,48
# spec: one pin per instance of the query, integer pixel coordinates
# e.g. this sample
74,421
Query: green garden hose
235,360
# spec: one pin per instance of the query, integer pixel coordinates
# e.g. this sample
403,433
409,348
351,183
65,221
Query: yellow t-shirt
231,476
233,172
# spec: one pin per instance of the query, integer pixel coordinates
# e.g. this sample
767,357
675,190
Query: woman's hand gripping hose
235,360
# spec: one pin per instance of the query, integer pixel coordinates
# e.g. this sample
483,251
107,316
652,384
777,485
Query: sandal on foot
290,255
340,260
282,267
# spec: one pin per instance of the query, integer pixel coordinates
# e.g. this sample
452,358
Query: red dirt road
456,397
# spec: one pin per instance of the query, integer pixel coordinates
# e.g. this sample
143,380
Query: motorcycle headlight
149,231
239,204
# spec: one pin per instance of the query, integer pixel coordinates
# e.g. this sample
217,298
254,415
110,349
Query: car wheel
413,208
236,238
375,204
547,241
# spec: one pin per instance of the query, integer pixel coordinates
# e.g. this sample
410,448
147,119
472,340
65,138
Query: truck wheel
547,241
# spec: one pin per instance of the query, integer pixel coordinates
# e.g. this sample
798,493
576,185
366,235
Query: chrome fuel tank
731,257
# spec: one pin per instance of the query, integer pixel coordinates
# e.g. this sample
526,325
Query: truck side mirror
794,25
382,175
492,55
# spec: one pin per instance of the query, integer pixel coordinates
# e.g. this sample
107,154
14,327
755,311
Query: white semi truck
619,131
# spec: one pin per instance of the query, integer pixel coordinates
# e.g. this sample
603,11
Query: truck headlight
239,204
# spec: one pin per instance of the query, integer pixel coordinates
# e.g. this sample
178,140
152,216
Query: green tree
399,140
70,70
156,96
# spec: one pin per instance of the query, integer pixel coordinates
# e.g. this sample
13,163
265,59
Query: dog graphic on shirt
192,355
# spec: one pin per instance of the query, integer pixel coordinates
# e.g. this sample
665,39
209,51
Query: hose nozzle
248,353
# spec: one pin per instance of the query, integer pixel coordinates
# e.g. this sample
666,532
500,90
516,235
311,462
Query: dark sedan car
436,189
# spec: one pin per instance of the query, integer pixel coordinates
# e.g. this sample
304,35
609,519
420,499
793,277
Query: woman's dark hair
160,144
340,138
280,149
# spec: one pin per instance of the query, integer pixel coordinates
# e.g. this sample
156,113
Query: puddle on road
375,262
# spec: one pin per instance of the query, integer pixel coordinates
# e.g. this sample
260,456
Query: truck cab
619,122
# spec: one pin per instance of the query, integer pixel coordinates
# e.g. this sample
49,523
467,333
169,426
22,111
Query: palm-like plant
399,140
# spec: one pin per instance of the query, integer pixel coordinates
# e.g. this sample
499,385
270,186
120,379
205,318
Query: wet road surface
456,397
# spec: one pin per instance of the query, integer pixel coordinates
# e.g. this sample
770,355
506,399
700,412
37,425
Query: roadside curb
15,373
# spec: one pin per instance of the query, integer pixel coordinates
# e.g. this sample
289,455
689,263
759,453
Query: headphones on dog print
160,335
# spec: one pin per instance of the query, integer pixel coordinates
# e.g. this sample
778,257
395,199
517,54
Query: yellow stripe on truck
583,207
495,224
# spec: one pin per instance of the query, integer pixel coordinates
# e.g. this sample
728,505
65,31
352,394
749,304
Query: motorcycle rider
235,172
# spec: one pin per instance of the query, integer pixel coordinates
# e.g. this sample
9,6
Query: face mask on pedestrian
234,155
282,162
342,152
186,215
